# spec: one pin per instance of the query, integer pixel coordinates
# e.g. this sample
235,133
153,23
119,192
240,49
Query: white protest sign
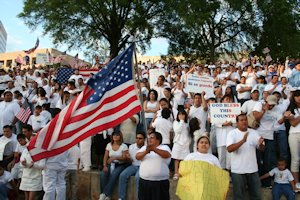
42,59
153,76
222,112
268,58
198,84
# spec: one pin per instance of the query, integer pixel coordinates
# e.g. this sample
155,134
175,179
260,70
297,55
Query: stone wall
89,188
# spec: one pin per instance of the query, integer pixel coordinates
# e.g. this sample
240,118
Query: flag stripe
87,72
104,113
98,106
54,127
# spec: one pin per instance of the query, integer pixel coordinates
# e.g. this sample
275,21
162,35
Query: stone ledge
89,188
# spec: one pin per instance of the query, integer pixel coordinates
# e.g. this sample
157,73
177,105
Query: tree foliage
194,28
280,31
203,28
85,23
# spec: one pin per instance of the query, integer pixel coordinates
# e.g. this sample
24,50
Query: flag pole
141,95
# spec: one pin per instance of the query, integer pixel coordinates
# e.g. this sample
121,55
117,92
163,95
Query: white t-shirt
179,96
8,112
5,178
117,153
243,95
267,122
250,78
243,160
296,129
151,105
164,127
206,157
248,106
3,81
47,115
37,122
270,86
200,114
11,144
281,177
153,167
128,128
133,149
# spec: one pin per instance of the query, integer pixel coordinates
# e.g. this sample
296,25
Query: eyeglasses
139,138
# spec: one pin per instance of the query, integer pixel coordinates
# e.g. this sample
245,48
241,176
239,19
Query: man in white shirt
10,139
273,85
267,116
9,109
248,106
242,143
199,110
133,169
160,87
37,121
54,183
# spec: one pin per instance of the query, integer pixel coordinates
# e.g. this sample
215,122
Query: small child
6,183
164,126
181,140
283,181
16,171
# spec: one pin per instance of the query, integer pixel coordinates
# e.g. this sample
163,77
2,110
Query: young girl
181,140
195,132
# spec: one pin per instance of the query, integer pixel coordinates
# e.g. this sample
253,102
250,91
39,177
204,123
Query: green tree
202,29
280,28
83,23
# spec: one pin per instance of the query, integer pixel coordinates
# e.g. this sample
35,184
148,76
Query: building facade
3,38
9,59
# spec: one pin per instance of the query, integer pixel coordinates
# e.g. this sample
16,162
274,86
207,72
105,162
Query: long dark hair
194,125
185,115
293,104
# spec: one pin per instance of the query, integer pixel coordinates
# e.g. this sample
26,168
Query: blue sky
20,37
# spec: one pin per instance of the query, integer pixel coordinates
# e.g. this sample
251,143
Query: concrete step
89,188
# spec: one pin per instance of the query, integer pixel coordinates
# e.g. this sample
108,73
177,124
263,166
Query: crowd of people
175,125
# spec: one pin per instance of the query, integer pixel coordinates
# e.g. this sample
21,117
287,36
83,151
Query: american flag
20,60
108,99
63,74
29,51
24,112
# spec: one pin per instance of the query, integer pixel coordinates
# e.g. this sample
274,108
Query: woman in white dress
182,140
31,181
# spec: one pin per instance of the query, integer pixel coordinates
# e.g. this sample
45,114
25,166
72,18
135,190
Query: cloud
13,43
159,46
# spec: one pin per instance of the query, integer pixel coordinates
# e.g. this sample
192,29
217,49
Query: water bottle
112,167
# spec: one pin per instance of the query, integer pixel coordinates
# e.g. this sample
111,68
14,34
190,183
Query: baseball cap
272,100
